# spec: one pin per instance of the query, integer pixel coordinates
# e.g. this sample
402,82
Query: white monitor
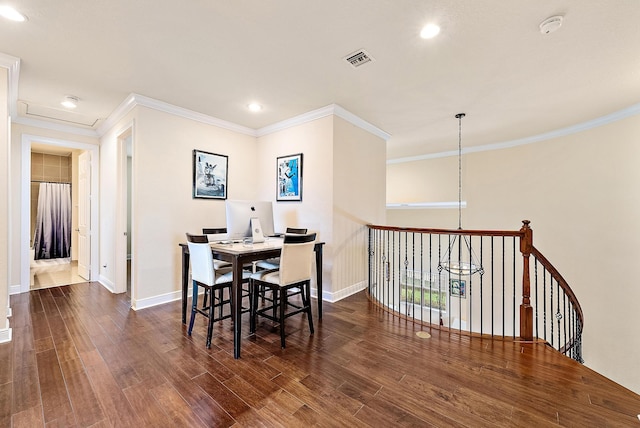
240,213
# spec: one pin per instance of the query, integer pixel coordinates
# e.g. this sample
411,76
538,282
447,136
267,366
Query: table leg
185,283
319,279
236,307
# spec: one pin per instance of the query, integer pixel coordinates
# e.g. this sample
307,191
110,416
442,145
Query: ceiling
214,57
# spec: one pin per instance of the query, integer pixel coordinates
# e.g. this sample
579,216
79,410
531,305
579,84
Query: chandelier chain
459,116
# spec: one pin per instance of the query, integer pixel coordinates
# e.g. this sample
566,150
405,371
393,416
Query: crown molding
52,126
574,129
359,122
332,109
12,64
116,115
134,100
295,121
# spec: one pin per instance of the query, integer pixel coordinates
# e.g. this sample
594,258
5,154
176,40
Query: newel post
526,311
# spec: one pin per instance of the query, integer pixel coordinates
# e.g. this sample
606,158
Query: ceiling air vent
358,58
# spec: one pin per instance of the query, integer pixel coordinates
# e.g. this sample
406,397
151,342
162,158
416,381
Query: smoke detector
551,24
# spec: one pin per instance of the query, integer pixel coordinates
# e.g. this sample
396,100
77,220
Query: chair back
296,258
202,269
298,231
213,230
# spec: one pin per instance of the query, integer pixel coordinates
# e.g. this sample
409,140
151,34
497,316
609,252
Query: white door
84,215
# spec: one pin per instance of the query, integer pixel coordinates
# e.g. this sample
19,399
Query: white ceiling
214,57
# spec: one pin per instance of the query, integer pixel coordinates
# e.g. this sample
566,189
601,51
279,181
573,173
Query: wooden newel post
526,311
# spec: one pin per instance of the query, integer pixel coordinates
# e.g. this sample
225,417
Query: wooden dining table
239,254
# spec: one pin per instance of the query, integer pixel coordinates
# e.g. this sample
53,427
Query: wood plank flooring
80,357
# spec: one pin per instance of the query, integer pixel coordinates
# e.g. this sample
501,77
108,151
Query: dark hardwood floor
81,357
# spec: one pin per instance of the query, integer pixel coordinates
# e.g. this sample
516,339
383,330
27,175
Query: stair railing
502,300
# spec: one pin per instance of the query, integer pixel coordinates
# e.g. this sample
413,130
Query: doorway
53,258
59,273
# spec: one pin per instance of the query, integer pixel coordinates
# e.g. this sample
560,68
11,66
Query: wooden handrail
517,233
561,282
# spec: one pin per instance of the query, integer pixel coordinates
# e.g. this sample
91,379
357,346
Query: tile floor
53,273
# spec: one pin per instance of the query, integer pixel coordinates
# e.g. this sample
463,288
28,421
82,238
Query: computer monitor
240,213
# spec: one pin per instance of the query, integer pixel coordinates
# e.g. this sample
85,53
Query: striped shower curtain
53,222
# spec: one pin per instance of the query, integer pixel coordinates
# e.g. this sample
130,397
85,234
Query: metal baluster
492,288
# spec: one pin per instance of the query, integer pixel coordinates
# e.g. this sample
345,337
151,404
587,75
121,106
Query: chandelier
459,258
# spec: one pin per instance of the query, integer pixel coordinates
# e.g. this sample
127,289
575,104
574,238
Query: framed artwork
289,178
209,175
458,288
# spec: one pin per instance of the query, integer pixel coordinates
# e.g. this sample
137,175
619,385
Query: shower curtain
53,222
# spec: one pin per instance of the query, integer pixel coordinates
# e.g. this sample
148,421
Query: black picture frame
210,174
289,178
458,288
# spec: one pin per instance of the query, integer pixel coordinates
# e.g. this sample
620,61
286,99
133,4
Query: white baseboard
161,299
5,333
106,283
15,289
328,296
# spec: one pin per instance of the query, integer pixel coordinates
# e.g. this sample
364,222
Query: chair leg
276,302
283,307
307,303
194,305
210,326
220,298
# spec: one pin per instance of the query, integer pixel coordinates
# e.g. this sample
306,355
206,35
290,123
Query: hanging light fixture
460,259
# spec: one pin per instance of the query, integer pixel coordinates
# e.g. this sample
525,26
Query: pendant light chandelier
460,259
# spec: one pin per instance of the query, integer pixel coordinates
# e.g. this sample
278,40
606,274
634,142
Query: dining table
240,254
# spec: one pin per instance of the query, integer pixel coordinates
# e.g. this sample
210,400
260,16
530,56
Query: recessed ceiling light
255,107
70,101
12,14
430,31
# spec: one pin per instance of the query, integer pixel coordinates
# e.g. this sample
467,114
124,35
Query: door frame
25,202
121,212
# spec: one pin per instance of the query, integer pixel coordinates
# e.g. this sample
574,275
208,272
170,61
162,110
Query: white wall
580,193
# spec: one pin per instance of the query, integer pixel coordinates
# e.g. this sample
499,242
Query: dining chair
292,277
274,262
211,232
205,274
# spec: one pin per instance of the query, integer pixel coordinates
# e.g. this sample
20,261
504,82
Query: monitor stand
256,231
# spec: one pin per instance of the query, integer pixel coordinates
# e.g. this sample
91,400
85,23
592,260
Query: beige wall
359,174
5,223
343,170
163,208
580,193
315,141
